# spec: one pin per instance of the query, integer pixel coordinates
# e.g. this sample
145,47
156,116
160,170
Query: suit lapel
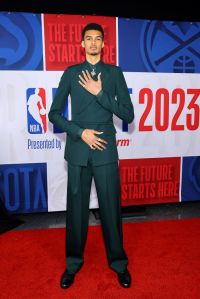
106,77
87,98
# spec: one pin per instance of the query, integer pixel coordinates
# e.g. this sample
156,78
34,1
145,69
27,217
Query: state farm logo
123,142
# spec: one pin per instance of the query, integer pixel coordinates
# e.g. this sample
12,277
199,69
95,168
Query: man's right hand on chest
94,142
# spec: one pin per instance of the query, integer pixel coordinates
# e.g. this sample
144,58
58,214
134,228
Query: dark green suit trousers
106,179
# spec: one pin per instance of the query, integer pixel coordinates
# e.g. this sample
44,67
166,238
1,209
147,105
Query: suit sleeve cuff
99,95
80,131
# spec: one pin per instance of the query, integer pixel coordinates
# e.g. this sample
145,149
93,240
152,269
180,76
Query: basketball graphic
184,64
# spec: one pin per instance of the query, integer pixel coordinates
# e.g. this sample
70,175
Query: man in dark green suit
97,91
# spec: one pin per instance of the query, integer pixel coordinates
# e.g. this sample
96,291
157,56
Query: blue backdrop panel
21,41
23,187
65,113
190,179
159,46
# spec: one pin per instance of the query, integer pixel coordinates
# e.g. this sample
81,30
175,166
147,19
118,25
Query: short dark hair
92,26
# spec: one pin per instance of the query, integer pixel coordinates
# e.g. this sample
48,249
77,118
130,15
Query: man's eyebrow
93,35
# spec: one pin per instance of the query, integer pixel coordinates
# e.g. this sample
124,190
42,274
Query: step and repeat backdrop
159,152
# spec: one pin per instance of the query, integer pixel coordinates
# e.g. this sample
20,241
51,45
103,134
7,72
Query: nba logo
36,110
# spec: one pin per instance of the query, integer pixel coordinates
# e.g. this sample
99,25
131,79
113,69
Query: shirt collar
88,64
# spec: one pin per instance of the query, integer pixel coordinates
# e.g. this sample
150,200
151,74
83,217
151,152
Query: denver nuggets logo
171,46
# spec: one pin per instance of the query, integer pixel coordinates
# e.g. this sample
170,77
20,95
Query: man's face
93,42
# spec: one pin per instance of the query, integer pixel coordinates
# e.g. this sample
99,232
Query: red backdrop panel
147,181
62,36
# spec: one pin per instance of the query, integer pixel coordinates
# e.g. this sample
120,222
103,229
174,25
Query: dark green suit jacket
91,112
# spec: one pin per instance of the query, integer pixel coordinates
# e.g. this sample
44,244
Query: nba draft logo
36,110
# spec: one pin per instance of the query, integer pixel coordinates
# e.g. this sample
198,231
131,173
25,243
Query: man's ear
103,45
82,44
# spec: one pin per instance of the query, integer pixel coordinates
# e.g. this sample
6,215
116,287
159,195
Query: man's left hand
94,87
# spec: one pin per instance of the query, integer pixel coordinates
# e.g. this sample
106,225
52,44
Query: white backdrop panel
141,144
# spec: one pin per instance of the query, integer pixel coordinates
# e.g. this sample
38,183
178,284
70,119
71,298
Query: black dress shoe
67,280
124,279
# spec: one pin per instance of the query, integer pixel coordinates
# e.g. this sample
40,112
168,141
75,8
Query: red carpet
164,259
